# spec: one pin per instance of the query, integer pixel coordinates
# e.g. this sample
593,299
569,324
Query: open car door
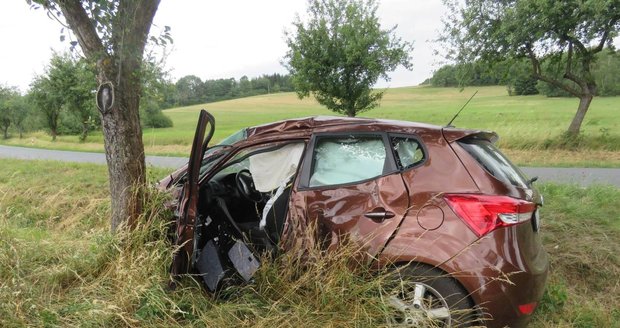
211,247
187,209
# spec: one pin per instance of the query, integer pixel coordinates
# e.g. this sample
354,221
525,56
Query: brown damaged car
441,202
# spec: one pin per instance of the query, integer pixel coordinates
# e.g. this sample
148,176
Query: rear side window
494,162
408,152
341,160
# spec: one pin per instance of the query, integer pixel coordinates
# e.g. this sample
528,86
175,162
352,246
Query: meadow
530,127
60,266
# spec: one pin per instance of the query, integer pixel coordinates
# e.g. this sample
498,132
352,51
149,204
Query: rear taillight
527,309
485,213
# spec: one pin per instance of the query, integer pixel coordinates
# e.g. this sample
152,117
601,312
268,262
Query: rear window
494,162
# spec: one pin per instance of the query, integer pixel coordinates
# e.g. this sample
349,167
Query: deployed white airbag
270,169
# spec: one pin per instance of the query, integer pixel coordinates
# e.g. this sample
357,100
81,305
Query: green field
526,124
60,266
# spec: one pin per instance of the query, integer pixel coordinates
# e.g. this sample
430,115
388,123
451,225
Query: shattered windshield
235,137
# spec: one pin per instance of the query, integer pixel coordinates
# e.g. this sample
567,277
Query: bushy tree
21,113
151,115
572,31
190,90
445,76
341,52
48,102
79,94
519,79
607,73
10,99
64,95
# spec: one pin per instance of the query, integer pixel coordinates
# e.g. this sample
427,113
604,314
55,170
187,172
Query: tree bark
584,105
120,66
53,133
124,152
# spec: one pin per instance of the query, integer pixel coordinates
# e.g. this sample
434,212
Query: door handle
382,215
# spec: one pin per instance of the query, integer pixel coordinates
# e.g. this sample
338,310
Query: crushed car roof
308,125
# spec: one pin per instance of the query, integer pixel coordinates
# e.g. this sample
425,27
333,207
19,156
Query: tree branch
569,68
82,27
538,74
605,36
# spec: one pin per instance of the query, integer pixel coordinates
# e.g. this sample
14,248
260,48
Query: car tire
440,301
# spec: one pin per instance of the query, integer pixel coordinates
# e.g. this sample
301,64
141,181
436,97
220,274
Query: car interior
249,195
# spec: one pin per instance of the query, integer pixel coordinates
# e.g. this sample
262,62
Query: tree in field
565,35
190,90
66,87
9,105
79,95
48,101
114,34
341,52
20,113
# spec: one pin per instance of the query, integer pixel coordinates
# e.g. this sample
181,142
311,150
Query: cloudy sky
215,39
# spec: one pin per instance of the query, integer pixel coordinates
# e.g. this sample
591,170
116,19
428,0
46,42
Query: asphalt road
581,176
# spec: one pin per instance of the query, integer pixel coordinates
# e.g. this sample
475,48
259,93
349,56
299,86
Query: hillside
526,124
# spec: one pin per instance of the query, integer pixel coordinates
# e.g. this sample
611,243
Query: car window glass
407,151
341,160
494,162
235,137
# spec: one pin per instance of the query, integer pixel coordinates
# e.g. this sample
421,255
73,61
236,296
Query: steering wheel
245,185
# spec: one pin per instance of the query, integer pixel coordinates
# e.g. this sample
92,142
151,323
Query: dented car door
352,189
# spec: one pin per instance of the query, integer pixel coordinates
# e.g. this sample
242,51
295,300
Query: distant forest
516,76
191,90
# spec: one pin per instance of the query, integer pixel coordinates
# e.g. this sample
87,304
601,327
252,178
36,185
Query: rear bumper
501,277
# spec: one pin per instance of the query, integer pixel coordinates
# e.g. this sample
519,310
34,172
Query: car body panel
339,211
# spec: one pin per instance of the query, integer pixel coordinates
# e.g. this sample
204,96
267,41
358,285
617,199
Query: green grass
59,265
581,232
529,124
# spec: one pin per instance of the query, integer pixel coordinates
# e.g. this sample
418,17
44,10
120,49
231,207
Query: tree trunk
120,65
584,105
125,154
5,131
84,133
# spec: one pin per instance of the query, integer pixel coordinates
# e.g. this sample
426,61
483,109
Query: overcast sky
215,39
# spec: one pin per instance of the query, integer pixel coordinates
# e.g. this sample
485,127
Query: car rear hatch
508,200
510,193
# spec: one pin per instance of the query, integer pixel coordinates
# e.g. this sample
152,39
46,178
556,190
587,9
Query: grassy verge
581,232
59,266
532,126
564,158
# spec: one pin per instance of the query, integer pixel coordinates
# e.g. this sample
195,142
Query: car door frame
188,201
304,177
